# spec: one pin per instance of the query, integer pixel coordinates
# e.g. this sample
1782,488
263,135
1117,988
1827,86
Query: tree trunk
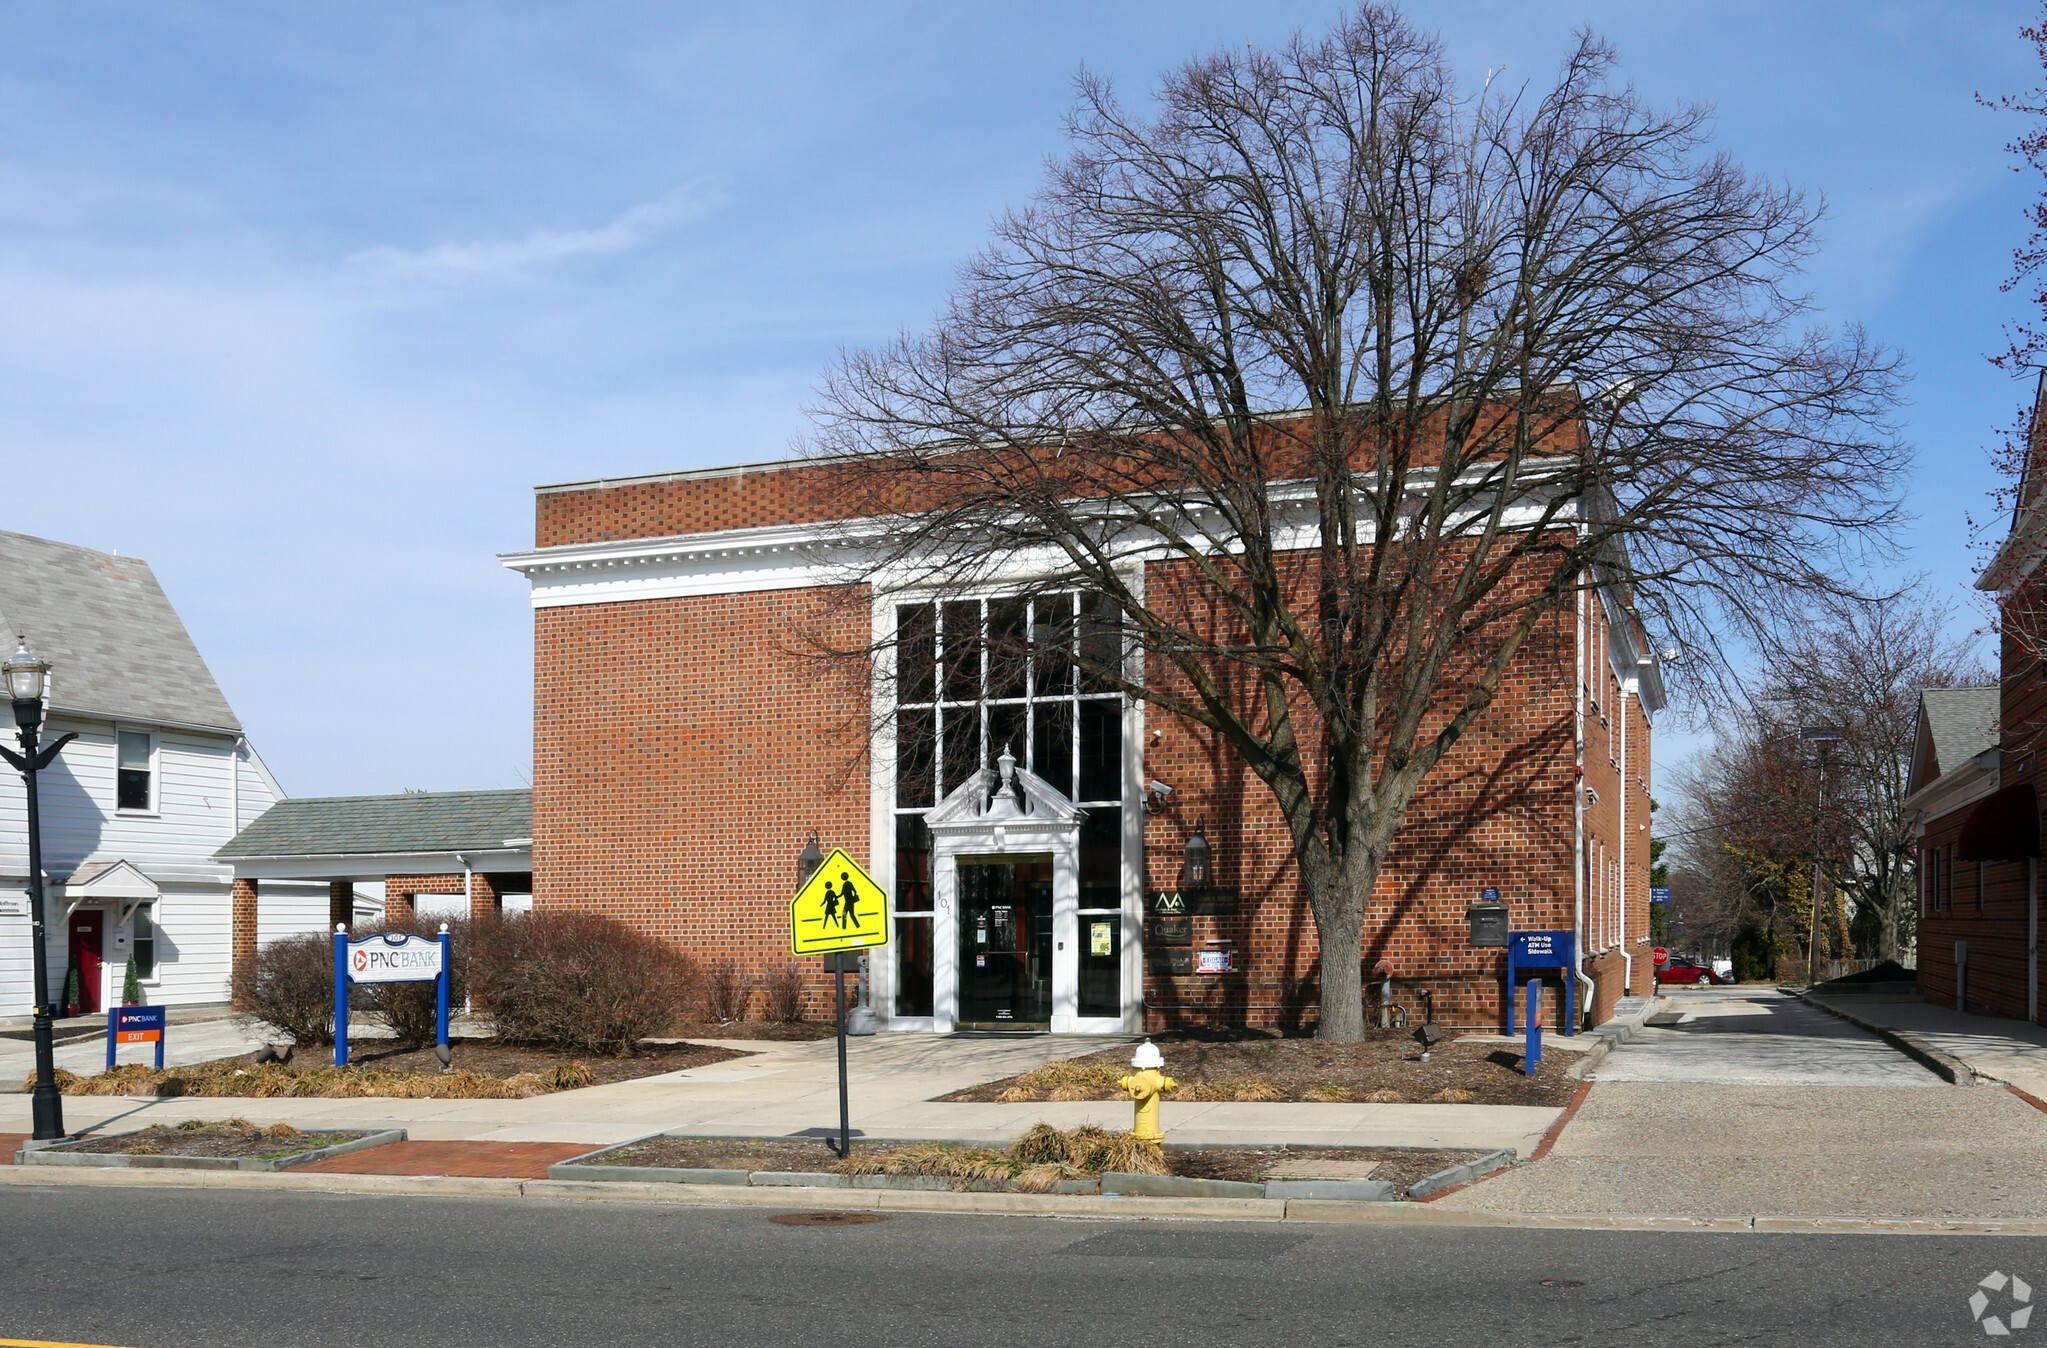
1340,931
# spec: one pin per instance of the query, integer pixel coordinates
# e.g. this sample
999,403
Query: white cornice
802,556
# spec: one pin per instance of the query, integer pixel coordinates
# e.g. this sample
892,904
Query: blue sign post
391,957
1543,950
137,1025
1531,1054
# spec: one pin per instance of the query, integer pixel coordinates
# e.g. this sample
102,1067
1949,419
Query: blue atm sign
1540,947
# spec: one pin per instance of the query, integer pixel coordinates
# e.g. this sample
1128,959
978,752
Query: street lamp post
1822,735
24,671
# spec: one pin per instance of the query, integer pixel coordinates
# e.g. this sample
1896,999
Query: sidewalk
2012,1052
789,1088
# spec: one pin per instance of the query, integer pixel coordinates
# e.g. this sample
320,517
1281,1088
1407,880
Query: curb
1457,1176
1944,1065
1010,1204
53,1153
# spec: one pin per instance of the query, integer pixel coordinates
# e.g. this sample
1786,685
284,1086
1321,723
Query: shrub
726,992
579,982
1751,956
782,994
288,986
412,1009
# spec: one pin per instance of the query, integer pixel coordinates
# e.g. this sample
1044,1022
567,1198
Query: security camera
1155,793
1591,796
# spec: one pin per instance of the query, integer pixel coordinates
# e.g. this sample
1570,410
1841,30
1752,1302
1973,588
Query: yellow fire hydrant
1146,1085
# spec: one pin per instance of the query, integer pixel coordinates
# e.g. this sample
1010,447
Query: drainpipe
1585,987
1628,689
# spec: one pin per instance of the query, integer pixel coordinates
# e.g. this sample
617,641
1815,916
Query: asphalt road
157,1268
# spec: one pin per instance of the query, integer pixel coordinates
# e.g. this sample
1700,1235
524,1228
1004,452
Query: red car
1684,971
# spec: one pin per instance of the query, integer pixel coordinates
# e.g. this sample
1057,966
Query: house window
975,677
145,942
135,770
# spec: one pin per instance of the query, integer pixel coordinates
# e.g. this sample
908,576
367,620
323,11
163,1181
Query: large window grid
974,677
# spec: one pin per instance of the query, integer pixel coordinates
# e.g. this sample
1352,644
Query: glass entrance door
1005,941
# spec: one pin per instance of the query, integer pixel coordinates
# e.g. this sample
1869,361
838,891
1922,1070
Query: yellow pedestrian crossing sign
839,907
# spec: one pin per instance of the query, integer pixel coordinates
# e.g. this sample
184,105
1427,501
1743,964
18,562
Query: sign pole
340,995
447,977
1532,1054
844,1149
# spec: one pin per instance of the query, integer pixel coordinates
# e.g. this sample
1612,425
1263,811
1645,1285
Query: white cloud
627,231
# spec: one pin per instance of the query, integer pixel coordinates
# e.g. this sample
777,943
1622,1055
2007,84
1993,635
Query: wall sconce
1194,872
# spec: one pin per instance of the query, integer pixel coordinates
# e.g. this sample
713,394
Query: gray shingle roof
1962,721
418,821
115,645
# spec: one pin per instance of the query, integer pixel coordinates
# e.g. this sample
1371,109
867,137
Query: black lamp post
24,671
808,860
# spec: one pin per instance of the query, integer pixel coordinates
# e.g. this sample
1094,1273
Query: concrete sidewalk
788,1088
2013,1052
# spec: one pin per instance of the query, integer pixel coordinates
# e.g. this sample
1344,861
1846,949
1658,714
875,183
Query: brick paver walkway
10,1143
484,1160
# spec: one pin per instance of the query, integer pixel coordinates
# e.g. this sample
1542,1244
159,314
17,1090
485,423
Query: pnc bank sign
394,959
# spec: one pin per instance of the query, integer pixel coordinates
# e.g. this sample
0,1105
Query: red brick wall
680,757
1497,810
242,925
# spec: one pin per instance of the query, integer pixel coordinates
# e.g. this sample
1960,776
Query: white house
160,776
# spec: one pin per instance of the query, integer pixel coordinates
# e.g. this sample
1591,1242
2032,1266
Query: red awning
2002,827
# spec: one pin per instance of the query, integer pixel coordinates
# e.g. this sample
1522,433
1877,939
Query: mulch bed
235,1137
1385,1067
1249,1164
483,1069
488,1057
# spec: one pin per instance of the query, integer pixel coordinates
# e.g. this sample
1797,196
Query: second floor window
133,784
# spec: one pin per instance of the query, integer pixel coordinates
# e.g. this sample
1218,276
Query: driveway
1758,1037
1754,1104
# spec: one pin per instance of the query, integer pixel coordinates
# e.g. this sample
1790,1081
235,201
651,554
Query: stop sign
1660,956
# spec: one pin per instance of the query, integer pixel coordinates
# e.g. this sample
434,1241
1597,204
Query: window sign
1101,938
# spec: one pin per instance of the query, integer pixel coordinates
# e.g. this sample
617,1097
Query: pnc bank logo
361,959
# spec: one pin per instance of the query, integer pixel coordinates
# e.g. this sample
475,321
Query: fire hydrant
1146,1085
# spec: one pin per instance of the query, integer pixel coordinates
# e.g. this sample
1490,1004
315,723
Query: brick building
1978,804
683,751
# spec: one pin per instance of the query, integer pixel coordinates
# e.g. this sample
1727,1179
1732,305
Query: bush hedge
579,982
288,986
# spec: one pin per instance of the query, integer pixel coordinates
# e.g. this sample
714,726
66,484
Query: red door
87,926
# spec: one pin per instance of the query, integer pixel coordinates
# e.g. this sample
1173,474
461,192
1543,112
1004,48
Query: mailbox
1488,924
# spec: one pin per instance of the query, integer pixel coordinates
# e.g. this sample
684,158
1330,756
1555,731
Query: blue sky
301,301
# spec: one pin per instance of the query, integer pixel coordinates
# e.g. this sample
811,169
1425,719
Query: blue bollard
1531,1055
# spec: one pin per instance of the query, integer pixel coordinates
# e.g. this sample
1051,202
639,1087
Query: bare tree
1753,818
1336,384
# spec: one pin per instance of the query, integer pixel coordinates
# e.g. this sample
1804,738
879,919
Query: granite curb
587,1169
1012,1204
1941,1064
54,1153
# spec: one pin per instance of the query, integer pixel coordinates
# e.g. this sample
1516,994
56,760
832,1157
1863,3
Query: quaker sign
394,959
136,1025
391,957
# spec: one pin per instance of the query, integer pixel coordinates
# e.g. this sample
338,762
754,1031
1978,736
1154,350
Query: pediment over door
1002,800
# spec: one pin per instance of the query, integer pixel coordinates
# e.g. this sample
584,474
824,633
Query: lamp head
25,671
